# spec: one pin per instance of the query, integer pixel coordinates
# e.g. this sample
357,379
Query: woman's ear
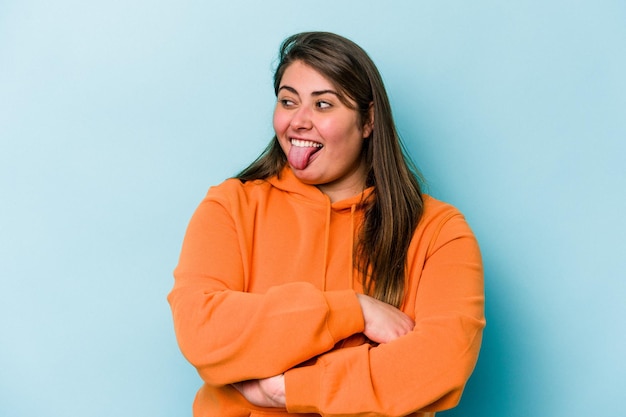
368,126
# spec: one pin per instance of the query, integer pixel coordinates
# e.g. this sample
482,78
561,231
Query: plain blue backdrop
116,116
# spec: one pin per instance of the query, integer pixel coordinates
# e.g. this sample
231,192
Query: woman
321,281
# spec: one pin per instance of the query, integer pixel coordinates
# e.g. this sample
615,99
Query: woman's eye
323,105
286,102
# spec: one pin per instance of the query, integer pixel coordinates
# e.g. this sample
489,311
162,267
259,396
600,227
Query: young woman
321,281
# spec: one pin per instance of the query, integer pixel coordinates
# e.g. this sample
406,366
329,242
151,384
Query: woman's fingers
383,322
268,392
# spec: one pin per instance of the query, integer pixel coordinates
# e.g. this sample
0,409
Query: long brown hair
395,207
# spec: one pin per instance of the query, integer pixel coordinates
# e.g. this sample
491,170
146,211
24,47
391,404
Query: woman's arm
383,323
427,368
230,335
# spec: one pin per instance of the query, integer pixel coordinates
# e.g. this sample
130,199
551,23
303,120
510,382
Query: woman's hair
395,207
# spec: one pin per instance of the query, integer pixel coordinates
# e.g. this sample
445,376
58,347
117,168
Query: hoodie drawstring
352,212
326,242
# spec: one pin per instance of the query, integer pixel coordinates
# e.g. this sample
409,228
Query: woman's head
320,131
350,69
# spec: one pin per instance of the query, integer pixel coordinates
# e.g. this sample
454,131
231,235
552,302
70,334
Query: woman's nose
302,118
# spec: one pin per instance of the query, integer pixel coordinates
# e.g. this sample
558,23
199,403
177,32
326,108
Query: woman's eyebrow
322,92
314,93
290,89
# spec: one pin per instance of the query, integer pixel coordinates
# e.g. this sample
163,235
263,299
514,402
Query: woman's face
320,135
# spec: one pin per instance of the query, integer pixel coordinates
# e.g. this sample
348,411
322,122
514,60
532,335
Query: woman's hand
383,322
267,392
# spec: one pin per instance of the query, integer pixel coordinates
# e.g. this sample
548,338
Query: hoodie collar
287,181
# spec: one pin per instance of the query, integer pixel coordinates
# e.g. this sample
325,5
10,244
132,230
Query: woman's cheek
281,122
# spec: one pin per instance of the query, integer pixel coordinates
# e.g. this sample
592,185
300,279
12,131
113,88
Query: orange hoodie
265,285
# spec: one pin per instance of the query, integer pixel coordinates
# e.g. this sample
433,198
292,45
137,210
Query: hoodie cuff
345,316
302,389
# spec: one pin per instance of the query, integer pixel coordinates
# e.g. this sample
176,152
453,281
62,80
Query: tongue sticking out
299,155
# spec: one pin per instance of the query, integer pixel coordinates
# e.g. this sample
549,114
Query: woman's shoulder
438,214
233,186
233,191
435,208
443,223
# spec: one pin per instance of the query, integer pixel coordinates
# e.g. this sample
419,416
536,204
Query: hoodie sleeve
230,335
425,370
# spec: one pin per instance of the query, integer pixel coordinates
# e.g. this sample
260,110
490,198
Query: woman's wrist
274,389
267,392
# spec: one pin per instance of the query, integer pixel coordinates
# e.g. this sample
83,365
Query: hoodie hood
286,181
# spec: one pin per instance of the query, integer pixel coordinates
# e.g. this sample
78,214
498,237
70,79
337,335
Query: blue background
116,116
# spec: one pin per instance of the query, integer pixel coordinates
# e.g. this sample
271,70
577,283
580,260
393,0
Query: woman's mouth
301,151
